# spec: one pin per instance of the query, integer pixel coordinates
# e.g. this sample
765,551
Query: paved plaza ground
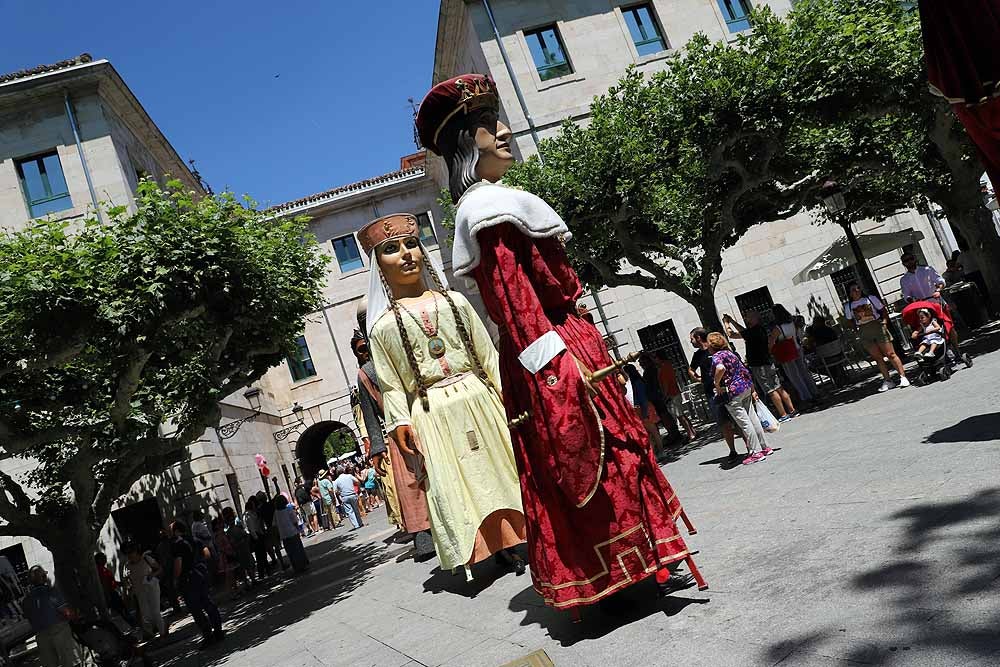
871,537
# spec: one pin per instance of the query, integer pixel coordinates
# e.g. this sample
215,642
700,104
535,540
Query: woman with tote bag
734,389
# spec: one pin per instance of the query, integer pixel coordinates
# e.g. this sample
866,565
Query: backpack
302,496
785,349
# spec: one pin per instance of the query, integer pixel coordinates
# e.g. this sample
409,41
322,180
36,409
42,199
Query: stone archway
309,447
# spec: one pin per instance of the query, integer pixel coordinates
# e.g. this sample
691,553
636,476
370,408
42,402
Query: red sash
372,389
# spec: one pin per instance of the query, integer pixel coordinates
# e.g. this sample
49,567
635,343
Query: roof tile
42,69
351,187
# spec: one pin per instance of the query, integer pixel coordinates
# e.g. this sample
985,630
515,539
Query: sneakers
767,451
885,386
753,458
786,418
903,382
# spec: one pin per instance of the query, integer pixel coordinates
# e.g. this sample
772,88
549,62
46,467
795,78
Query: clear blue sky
277,99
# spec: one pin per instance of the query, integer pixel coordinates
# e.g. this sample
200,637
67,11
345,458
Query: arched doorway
312,449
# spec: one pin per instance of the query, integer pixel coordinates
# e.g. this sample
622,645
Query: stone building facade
564,52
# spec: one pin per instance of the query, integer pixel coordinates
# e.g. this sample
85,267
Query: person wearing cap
437,370
49,615
602,513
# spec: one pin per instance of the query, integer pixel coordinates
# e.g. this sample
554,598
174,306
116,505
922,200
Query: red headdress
461,95
395,226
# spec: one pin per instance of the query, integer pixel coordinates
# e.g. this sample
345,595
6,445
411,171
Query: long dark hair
781,314
459,150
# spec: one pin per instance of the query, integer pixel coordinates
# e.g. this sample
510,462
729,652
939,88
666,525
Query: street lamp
832,195
252,396
285,432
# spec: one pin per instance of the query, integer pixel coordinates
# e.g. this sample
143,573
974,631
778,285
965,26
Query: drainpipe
333,339
79,148
513,79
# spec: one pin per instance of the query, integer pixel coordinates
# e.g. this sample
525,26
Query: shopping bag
767,420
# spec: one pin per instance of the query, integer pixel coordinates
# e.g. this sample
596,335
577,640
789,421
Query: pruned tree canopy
119,339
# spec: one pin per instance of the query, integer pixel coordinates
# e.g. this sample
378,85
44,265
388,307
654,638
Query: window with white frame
644,29
548,52
426,230
348,254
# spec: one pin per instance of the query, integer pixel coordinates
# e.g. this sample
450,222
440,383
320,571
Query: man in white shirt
920,283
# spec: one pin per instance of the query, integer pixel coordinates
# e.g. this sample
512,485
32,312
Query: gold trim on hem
605,570
609,590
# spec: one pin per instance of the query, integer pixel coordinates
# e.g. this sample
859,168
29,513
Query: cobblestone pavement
870,537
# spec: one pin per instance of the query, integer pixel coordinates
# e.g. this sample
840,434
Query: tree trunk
73,548
975,223
704,303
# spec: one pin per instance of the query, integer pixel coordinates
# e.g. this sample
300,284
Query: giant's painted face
493,141
401,261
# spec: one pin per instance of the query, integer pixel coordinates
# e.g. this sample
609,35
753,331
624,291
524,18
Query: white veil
378,298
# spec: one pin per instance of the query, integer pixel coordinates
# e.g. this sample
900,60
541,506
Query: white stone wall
43,127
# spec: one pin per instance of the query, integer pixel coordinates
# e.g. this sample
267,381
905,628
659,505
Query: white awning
839,255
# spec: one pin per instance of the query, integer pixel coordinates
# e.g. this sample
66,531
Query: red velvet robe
963,66
600,513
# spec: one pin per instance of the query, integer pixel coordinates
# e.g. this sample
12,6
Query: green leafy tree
118,342
868,120
339,443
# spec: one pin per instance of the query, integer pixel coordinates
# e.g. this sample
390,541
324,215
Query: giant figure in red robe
600,514
961,40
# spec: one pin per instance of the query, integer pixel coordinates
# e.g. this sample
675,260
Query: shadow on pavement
920,591
598,620
336,570
979,428
484,575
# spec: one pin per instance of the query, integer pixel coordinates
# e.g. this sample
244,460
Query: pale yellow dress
473,492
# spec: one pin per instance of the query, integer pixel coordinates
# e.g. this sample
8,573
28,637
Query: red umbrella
962,47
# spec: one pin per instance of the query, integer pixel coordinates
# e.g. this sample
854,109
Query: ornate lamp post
228,430
297,410
832,195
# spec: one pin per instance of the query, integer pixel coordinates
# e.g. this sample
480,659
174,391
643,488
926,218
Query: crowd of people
776,366
194,561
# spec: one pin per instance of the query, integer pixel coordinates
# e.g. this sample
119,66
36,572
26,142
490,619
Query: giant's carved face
401,261
493,141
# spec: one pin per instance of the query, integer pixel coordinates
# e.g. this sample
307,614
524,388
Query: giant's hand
378,462
406,439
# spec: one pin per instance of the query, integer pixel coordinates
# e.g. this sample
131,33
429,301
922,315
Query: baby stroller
107,646
942,364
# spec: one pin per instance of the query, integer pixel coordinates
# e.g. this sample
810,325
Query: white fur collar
485,205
